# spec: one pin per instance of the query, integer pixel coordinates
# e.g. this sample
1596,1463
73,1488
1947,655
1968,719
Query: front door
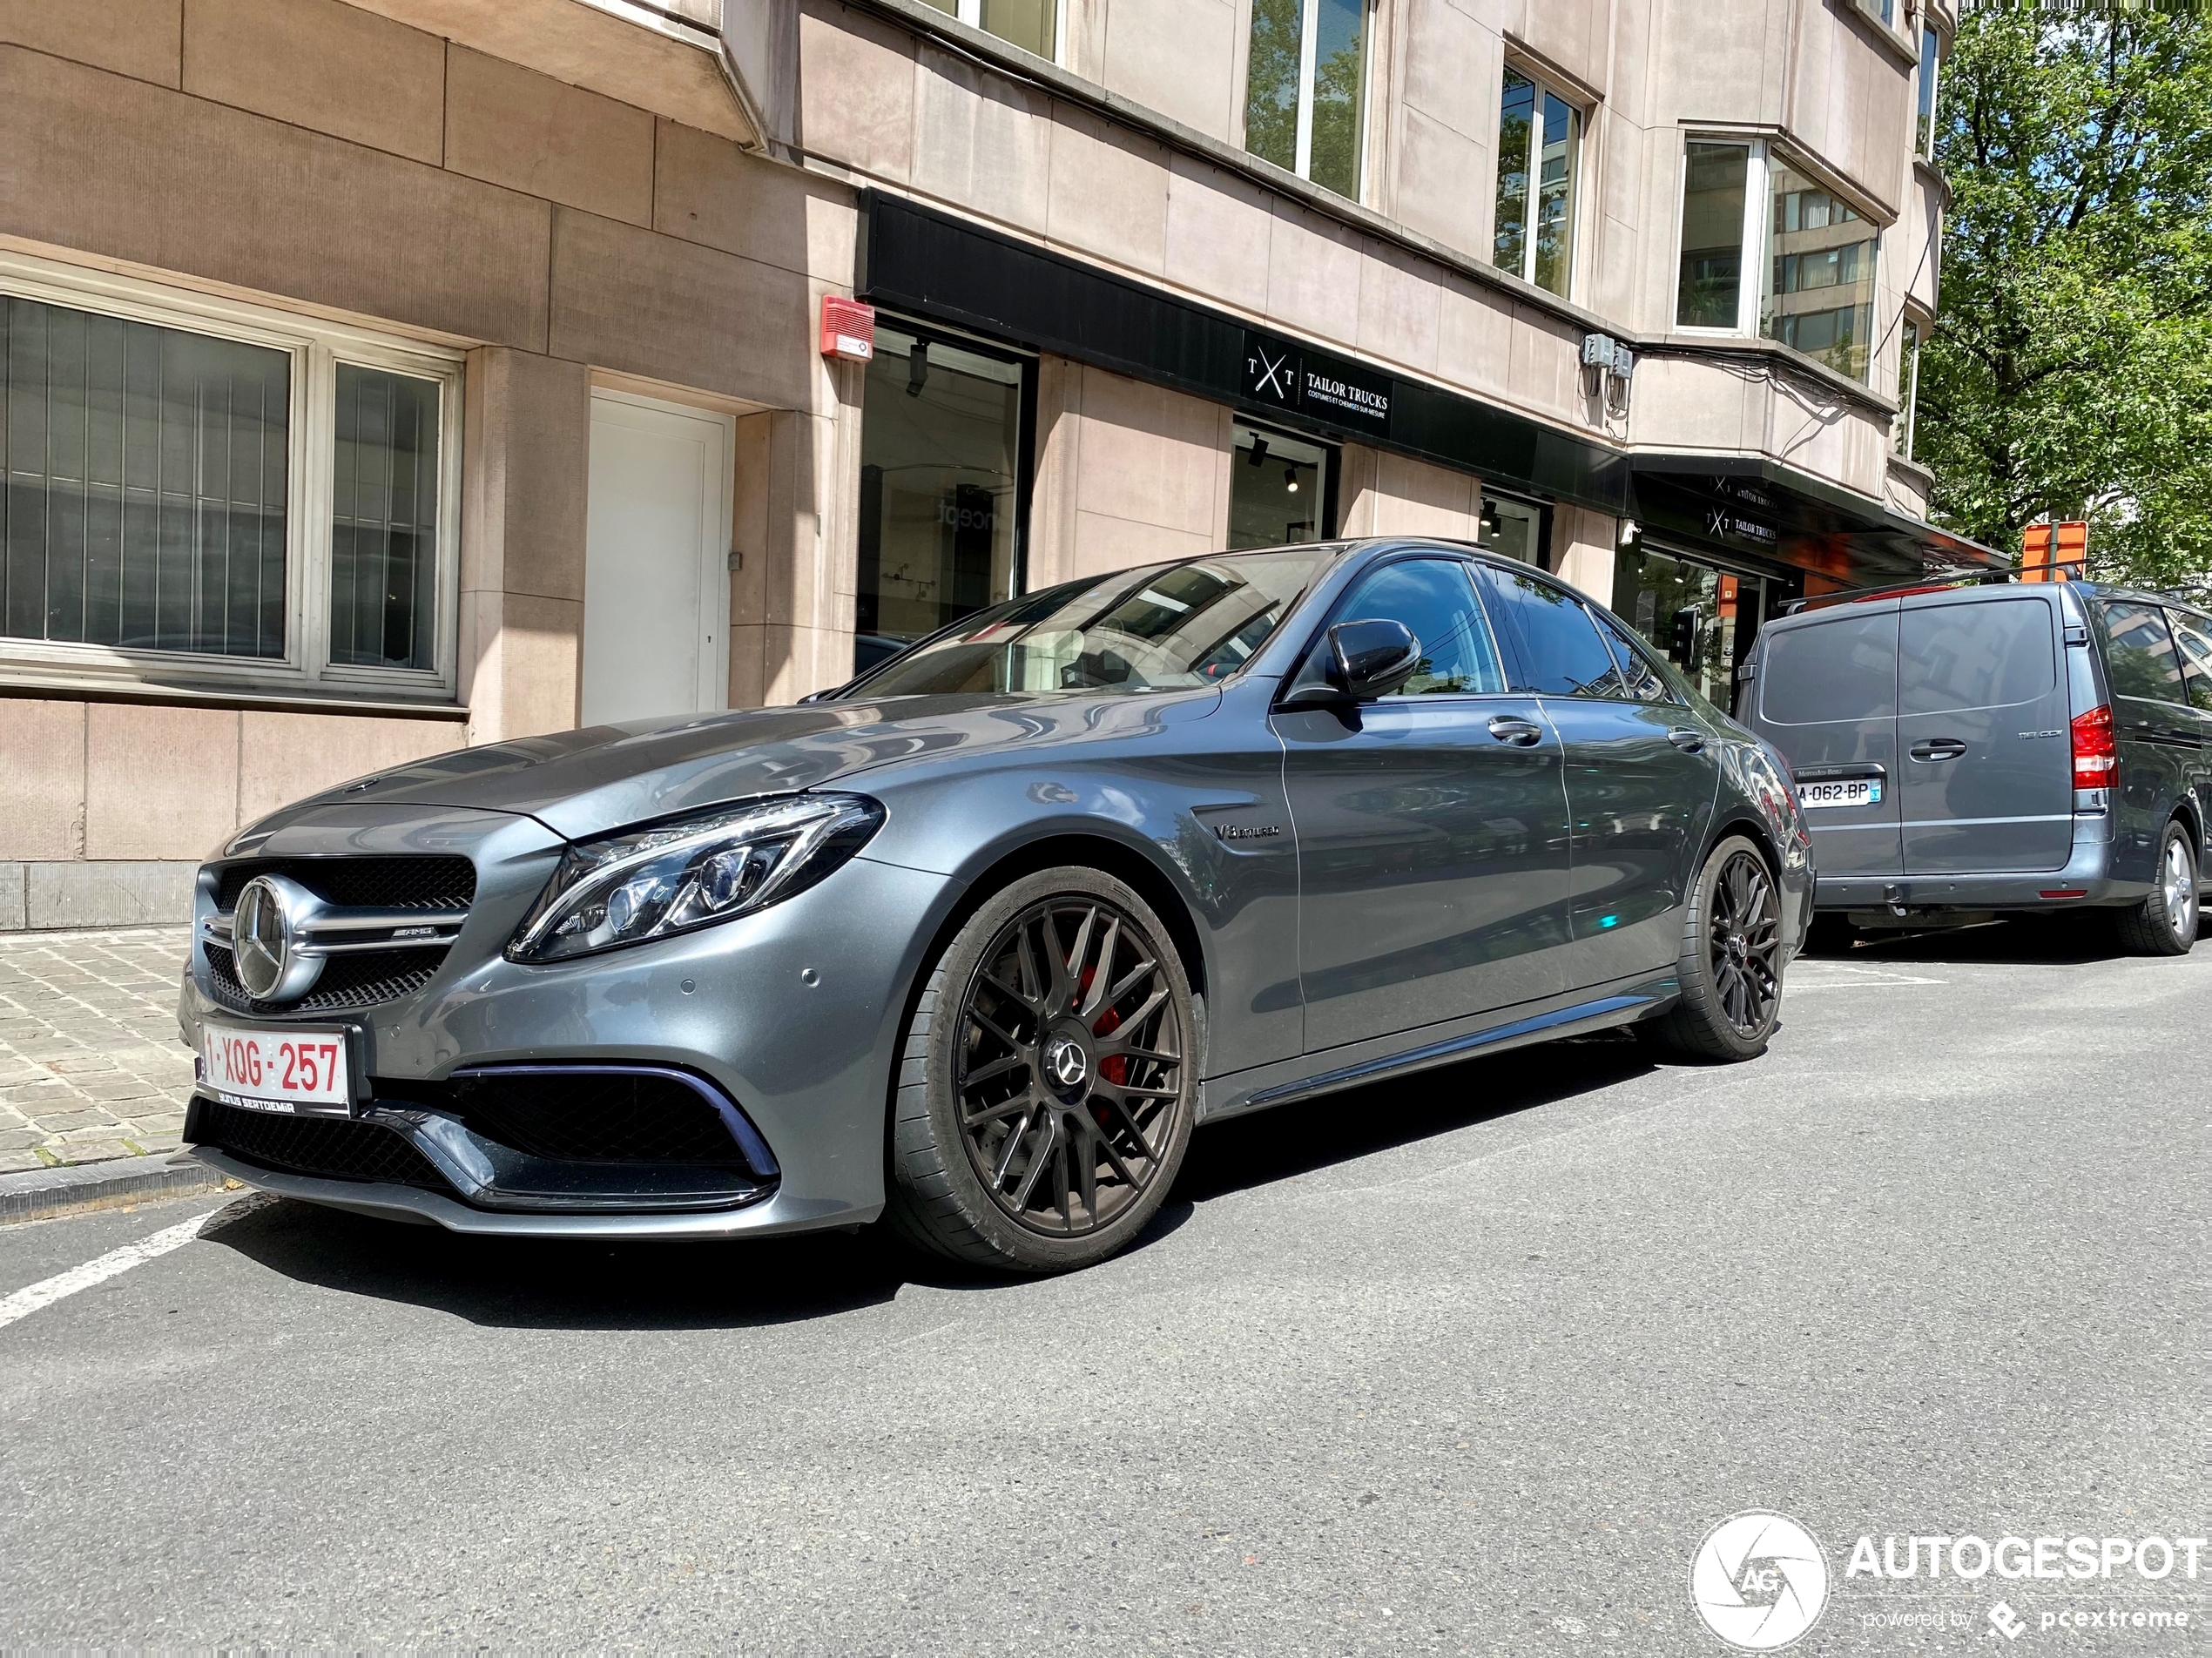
1432,827
1982,736
656,540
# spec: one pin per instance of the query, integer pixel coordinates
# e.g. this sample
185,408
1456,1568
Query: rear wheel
1731,965
1046,1091
2165,922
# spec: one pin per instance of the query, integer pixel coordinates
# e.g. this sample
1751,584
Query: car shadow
575,1284
2057,940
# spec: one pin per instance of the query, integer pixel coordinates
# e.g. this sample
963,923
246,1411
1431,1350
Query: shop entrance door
1701,618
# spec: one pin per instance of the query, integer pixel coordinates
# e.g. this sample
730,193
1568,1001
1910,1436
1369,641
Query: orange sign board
2054,552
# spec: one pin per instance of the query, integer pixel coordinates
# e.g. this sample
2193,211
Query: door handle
1938,748
1688,738
1518,733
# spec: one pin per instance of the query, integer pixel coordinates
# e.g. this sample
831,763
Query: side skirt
1599,1007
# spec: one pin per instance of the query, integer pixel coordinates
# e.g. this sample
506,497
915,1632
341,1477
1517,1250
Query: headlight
690,872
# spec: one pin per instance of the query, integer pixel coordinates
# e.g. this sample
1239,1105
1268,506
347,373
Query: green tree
2070,369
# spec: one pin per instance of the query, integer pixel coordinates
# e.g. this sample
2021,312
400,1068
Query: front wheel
1731,965
2165,922
1048,1084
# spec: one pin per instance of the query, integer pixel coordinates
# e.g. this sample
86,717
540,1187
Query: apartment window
1306,89
1031,24
1539,137
1744,209
1908,377
201,485
1931,66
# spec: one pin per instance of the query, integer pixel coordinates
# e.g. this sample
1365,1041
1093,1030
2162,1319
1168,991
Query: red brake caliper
1115,1067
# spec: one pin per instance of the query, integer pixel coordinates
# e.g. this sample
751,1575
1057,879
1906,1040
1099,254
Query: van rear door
1827,698
1986,770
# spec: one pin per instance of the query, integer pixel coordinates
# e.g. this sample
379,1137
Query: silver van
1966,750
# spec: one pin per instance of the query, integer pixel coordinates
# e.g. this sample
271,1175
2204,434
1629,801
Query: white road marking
100,1269
1860,978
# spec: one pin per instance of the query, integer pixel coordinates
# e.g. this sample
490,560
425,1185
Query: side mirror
1364,660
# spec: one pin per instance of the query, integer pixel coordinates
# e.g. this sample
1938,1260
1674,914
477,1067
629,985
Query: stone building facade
386,377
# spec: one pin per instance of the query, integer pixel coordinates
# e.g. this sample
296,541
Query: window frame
1912,334
314,349
1927,88
1582,114
1308,53
971,13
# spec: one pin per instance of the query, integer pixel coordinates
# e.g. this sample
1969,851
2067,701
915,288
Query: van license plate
1849,792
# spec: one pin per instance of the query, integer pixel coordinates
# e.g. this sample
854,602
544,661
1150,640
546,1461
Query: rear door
2193,633
1825,695
2154,724
1982,733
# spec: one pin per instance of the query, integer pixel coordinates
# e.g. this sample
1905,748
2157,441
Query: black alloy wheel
1730,963
1055,1091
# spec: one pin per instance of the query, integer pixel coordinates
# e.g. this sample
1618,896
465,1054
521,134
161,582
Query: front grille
417,882
328,1148
585,1117
362,980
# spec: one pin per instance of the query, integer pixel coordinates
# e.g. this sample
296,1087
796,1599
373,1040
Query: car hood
588,782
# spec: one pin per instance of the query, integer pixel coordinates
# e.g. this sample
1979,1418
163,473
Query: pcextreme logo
1759,1581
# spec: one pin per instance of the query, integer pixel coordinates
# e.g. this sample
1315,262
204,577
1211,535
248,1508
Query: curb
42,1194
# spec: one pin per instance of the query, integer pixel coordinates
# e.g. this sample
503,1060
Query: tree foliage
2070,370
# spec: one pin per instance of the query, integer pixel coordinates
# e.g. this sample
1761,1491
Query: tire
2165,922
1731,965
1830,933
1024,1136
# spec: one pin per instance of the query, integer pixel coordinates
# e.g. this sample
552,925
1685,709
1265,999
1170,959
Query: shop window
1702,620
1030,24
1931,69
204,487
1539,144
1745,208
940,487
1514,529
1279,489
1306,89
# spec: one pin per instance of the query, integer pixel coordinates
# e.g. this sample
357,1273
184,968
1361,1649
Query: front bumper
793,1014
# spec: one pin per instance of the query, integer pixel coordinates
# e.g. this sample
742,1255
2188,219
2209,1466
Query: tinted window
1434,598
1975,656
2194,635
2138,653
1643,681
1841,670
1561,652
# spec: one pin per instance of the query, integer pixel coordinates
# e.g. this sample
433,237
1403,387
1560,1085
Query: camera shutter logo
1759,1581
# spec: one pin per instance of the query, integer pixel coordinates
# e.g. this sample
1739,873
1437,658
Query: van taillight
2096,759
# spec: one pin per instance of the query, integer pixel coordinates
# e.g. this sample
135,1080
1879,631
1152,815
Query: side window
2139,652
1989,655
1561,652
2194,635
1643,681
1434,598
1844,669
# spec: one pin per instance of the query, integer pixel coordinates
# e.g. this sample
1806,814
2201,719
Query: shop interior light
918,368
1259,450
1290,479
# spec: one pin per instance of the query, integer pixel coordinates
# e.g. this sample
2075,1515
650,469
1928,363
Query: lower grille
329,1148
363,980
581,1114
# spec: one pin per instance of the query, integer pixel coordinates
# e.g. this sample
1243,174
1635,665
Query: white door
655,560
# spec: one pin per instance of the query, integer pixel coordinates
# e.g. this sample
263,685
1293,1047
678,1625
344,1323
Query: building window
1742,207
1908,387
943,483
1513,528
1701,619
1931,67
201,486
1538,141
1306,89
1280,489
1031,24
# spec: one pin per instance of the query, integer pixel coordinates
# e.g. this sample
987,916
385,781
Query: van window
2194,634
2139,654
1990,655
1841,670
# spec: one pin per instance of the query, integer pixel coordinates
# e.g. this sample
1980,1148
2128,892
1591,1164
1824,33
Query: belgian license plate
284,1071
1845,791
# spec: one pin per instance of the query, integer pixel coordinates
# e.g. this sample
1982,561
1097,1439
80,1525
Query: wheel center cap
1066,1063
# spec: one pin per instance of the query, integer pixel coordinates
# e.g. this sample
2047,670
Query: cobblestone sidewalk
90,1064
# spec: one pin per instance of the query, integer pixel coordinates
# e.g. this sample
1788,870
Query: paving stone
14,1163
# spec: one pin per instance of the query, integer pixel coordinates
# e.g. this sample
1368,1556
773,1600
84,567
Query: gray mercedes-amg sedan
976,942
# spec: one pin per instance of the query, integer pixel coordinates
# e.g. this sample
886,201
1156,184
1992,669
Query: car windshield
1162,627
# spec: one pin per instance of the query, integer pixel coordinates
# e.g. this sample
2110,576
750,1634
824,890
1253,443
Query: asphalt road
1471,1364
